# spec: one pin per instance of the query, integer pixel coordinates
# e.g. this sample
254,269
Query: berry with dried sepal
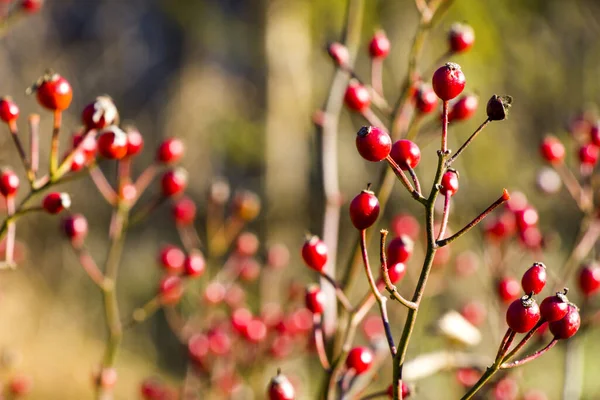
449,184
55,202
364,209
448,81
357,97
425,99
112,143
170,289
523,314
75,227
53,92
460,38
406,154
379,46
184,211
497,107
280,388
567,326
9,111
589,279
399,249
373,144
314,253
534,279
552,149
174,182
359,359
314,299
554,308
171,258
170,151
9,182
508,289
464,108
100,113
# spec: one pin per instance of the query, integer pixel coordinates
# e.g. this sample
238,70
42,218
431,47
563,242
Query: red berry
506,389
425,99
339,53
198,347
170,151
194,264
174,182
449,185
240,319
373,144
379,46
9,182
460,38
526,218
32,6
589,279
55,202
75,227
554,308
552,150
170,289
20,385
89,146
256,331
219,342
396,271
357,97
399,250
568,325
464,108
474,312
588,154
534,279
314,299
135,142
78,161
406,154
467,377
247,244
171,258
364,210
184,211
448,81
9,111
359,359
508,289
280,388
54,92
406,224
595,133
100,114
523,314
112,143
314,253
405,390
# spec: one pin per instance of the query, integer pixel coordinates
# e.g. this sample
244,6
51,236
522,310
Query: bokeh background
238,81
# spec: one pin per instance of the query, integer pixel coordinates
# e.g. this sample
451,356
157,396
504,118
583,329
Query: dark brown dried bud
497,107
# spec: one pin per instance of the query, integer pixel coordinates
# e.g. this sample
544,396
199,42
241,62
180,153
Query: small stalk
54,146
531,357
468,142
320,341
34,143
445,216
444,146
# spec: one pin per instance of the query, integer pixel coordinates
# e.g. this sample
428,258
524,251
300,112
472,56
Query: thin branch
386,276
55,143
445,216
320,341
468,142
531,357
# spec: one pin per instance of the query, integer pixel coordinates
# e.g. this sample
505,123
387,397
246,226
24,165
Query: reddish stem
445,216
531,357
445,127
103,185
320,341
34,142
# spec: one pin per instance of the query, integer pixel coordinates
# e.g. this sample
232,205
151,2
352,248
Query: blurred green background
238,81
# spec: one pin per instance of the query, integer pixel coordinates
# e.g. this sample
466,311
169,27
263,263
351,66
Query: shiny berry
184,211
373,144
78,161
464,108
552,150
170,151
523,314
527,217
534,279
364,210
399,250
406,154
89,145
405,390
31,6
55,202
75,227
100,114
589,279
554,308
449,185
357,97
359,359
379,46
280,388
339,53
460,38
508,289
174,182
9,111
588,154
314,299
314,253
112,143
135,142
425,99
171,258
396,271
54,92
448,81
9,182
170,289
256,331
567,326
194,264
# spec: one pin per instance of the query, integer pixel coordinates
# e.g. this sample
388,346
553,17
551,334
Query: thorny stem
386,276
468,142
55,142
445,216
530,357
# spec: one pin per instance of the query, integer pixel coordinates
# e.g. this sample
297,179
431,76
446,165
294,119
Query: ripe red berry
552,149
339,53
256,331
425,99
78,161
359,359
357,97
449,185
464,108
75,227
54,92
184,211
405,390
568,325
280,388
595,133
523,314
406,224
399,250
174,182
373,144
9,182
32,6
170,151
588,154
170,289
135,142
526,218
314,253
9,111
508,289
379,46
55,202
460,38
112,143
314,299
534,279
396,271
406,154
364,210
554,308
589,279
100,113
89,146
194,264
247,244
474,312
448,81
171,258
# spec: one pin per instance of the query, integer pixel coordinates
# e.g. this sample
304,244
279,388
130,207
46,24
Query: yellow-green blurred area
239,81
